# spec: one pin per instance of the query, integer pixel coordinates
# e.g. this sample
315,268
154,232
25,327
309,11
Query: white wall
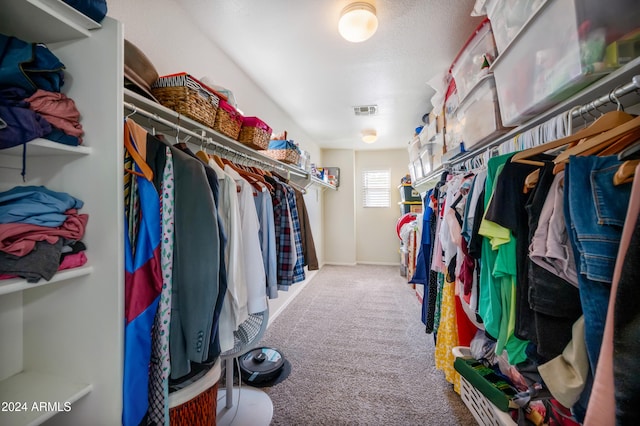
353,234
339,210
376,238
174,43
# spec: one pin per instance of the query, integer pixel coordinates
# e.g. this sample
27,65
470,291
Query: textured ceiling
293,51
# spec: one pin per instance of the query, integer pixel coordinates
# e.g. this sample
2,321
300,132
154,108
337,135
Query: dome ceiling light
369,136
358,22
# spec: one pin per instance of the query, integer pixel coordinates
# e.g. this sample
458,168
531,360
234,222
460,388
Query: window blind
376,188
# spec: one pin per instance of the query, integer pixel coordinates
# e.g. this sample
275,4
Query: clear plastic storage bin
479,114
559,52
507,18
472,63
453,131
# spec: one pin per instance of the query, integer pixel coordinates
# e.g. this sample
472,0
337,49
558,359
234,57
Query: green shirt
498,276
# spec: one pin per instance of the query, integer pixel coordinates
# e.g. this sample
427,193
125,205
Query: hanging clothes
497,276
143,285
282,220
447,336
196,265
250,225
212,180
160,369
234,309
267,236
308,246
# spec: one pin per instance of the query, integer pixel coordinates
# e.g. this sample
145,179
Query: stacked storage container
557,51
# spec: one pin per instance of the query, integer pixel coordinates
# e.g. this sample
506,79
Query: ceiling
292,50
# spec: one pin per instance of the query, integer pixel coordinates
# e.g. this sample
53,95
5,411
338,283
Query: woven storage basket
187,96
228,120
200,411
254,133
290,156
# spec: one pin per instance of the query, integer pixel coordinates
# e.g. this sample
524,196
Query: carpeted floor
359,355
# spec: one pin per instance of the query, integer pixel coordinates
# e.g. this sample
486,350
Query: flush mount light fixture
369,136
358,22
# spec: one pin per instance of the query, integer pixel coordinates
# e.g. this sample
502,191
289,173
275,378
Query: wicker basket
200,411
290,156
187,96
228,120
254,133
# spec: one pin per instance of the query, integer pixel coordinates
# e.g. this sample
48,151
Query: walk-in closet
319,213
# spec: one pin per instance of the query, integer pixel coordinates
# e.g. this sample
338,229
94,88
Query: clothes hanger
606,122
202,152
620,145
253,178
145,170
601,140
630,153
625,172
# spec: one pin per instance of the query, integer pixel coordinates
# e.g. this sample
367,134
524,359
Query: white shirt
234,308
254,267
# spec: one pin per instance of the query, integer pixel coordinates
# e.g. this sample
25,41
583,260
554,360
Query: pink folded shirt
59,110
19,239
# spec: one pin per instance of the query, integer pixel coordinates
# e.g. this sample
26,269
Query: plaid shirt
281,217
298,270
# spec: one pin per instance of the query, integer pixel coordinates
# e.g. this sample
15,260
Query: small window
376,188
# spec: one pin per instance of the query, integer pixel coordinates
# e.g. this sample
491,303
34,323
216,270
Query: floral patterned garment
160,362
447,336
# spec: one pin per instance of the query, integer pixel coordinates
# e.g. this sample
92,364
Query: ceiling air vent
365,109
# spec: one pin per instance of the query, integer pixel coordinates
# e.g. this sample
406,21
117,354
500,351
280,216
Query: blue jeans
595,212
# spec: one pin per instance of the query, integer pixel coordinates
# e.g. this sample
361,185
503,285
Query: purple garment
22,126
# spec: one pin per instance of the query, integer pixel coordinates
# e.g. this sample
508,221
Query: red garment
74,260
59,110
466,329
19,239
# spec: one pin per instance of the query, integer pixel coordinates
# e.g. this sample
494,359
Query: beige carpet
359,355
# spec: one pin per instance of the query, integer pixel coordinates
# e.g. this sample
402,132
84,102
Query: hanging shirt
160,367
234,308
498,276
298,269
267,235
308,246
281,217
254,267
143,284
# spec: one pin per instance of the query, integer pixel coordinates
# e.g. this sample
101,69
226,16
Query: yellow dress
447,336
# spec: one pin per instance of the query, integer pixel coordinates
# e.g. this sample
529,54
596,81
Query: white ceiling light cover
369,136
358,22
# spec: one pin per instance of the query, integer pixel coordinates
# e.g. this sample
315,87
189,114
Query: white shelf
31,387
184,122
18,284
44,21
44,147
319,182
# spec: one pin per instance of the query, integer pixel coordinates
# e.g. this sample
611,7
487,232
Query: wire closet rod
577,111
612,96
208,141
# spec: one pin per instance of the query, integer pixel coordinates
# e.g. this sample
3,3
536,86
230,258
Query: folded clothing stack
40,233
